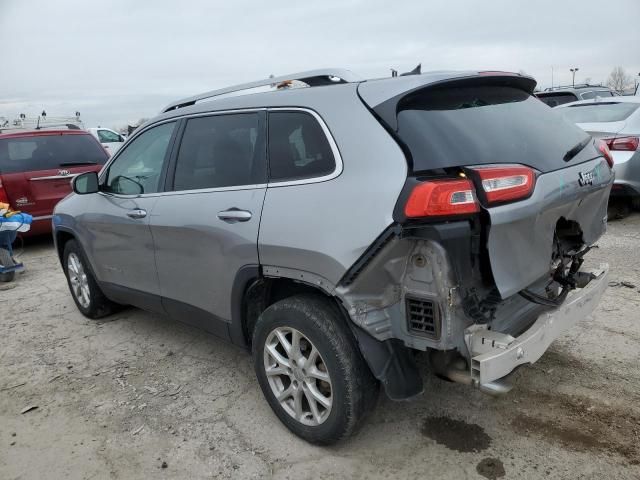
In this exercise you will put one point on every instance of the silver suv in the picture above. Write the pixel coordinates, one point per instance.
(560, 95)
(337, 226)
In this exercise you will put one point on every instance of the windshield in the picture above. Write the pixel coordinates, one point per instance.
(447, 127)
(47, 152)
(599, 112)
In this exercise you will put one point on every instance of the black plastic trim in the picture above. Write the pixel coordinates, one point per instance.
(392, 363)
(196, 317)
(245, 276)
(350, 275)
(130, 296)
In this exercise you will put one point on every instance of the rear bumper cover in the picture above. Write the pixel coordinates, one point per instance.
(495, 355)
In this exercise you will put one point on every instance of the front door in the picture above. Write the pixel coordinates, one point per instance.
(117, 218)
(206, 229)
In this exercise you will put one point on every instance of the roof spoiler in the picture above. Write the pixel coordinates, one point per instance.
(383, 97)
(313, 78)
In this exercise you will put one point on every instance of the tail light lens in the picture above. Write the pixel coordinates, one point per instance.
(4, 198)
(604, 149)
(506, 184)
(440, 198)
(629, 144)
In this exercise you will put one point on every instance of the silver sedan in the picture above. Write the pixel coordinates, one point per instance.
(616, 120)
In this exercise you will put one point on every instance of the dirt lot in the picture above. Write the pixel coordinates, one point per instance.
(118, 398)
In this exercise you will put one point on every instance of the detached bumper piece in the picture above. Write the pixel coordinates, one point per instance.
(494, 355)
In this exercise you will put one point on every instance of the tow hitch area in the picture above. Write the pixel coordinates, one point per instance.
(493, 355)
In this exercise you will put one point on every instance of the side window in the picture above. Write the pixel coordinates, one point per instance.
(139, 167)
(107, 136)
(221, 151)
(588, 95)
(298, 147)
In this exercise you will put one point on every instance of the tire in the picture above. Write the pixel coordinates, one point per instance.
(85, 291)
(351, 390)
(618, 208)
(635, 203)
(6, 261)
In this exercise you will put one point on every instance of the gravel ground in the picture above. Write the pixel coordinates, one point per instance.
(139, 396)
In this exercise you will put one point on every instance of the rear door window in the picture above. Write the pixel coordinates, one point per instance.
(599, 112)
(298, 147)
(48, 152)
(221, 151)
(447, 127)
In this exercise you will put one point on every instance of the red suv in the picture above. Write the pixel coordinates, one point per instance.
(36, 168)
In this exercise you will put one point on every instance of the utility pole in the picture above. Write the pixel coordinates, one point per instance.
(573, 71)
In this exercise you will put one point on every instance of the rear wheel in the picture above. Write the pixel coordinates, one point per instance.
(310, 369)
(84, 289)
(618, 208)
(6, 261)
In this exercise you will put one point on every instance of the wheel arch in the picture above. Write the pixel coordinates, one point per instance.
(256, 288)
(60, 237)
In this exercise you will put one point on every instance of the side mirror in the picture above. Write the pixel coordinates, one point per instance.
(85, 183)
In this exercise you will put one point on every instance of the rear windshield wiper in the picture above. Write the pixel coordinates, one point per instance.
(71, 164)
(576, 150)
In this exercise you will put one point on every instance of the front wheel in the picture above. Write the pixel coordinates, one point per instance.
(84, 289)
(310, 369)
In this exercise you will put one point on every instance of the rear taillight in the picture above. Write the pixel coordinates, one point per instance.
(604, 149)
(440, 198)
(506, 184)
(629, 144)
(4, 198)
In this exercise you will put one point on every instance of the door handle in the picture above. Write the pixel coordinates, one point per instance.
(137, 213)
(235, 215)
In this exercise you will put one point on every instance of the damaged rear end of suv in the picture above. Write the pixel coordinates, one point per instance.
(337, 226)
(483, 265)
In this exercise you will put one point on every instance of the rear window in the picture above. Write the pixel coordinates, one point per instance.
(594, 94)
(599, 112)
(298, 148)
(555, 99)
(46, 152)
(450, 127)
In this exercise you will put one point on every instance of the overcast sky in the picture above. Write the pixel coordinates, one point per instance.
(116, 61)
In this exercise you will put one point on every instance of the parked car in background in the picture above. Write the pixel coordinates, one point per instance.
(559, 95)
(36, 168)
(109, 139)
(617, 122)
(265, 219)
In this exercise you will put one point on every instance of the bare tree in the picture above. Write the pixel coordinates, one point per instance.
(619, 80)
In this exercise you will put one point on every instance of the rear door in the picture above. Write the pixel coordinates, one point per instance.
(37, 169)
(206, 229)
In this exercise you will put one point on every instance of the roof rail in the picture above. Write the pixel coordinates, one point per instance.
(40, 122)
(577, 85)
(313, 78)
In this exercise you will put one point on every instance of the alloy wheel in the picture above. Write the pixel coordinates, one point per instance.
(298, 376)
(78, 280)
